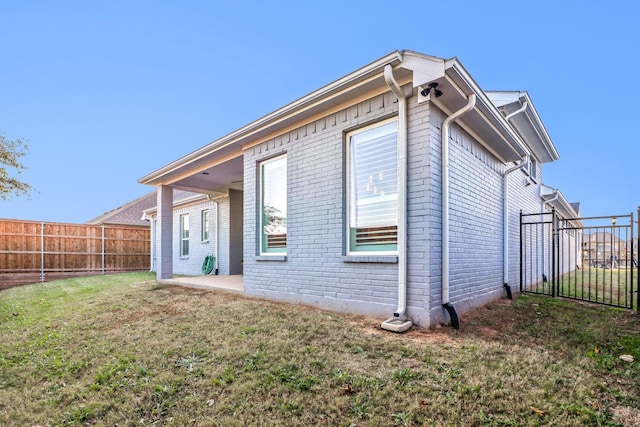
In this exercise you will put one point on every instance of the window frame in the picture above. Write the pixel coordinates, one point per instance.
(531, 170)
(204, 224)
(352, 249)
(281, 247)
(184, 235)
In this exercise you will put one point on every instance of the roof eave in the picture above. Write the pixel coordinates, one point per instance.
(510, 101)
(492, 114)
(271, 120)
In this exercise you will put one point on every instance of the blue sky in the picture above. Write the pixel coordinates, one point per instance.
(109, 91)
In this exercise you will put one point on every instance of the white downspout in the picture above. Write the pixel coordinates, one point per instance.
(505, 220)
(471, 102)
(505, 208)
(399, 323)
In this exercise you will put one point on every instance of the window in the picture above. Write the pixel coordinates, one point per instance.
(273, 205)
(531, 169)
(184, 235)
(373, 188)
(534, 170)
(205, 225)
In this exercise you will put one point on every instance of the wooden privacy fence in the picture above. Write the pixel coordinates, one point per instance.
(32, 251)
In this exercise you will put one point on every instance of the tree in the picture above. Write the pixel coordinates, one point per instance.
(11, 151)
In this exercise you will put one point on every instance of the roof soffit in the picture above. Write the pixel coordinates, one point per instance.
(484, 121)
(528, 123)
(455, 81)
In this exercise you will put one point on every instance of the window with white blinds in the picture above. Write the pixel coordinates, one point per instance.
(373, 188)
(273, 203)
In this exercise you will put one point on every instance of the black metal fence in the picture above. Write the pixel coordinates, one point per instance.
(592, 259)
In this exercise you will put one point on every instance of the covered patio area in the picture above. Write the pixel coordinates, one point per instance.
(228, 283)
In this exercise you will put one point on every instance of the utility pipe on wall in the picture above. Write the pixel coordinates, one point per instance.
(402, 190)
(471, 102)
(543, 206)
(505, 222)
(505, 208)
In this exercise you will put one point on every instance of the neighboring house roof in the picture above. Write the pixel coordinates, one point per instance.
(576, 207)
(132, 213)
(129, 213)
(602, 237)
(216, 166)
(180, 198)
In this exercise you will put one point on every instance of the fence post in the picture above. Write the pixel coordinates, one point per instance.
(627, 263)
(102, 258)
(41, 251)
(521, 253)
(554, 242)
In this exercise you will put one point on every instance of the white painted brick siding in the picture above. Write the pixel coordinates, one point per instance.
(476, 222)
(315, 271)
(198, 250)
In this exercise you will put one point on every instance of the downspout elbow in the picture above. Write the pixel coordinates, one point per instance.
(524, 106)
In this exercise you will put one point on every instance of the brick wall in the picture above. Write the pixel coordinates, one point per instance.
(192, 265)
(476, 222)
(315, 271)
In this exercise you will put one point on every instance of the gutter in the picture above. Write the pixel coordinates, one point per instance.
(399, 322)
(471, 102)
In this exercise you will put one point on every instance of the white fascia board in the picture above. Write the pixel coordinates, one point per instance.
(500, 98)
(321, 95)
(425, 68)
(537, 123)
(545, 190)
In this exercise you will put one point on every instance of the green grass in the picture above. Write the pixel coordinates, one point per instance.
(609, 286)
(598, 285)
(120, 350)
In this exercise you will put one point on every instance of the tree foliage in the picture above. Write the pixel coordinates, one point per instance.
(11, 151)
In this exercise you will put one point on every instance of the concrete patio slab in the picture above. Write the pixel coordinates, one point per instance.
(229, 283)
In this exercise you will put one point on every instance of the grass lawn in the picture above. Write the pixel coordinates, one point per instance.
(603, 285)
(120, 350)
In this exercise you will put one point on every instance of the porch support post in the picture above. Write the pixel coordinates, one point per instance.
(165, 229)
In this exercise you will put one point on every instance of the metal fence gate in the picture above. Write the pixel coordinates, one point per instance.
(591, 259)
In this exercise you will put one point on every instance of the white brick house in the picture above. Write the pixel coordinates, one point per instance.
(349, 202)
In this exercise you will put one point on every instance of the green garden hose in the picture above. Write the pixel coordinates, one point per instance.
(208, 264)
